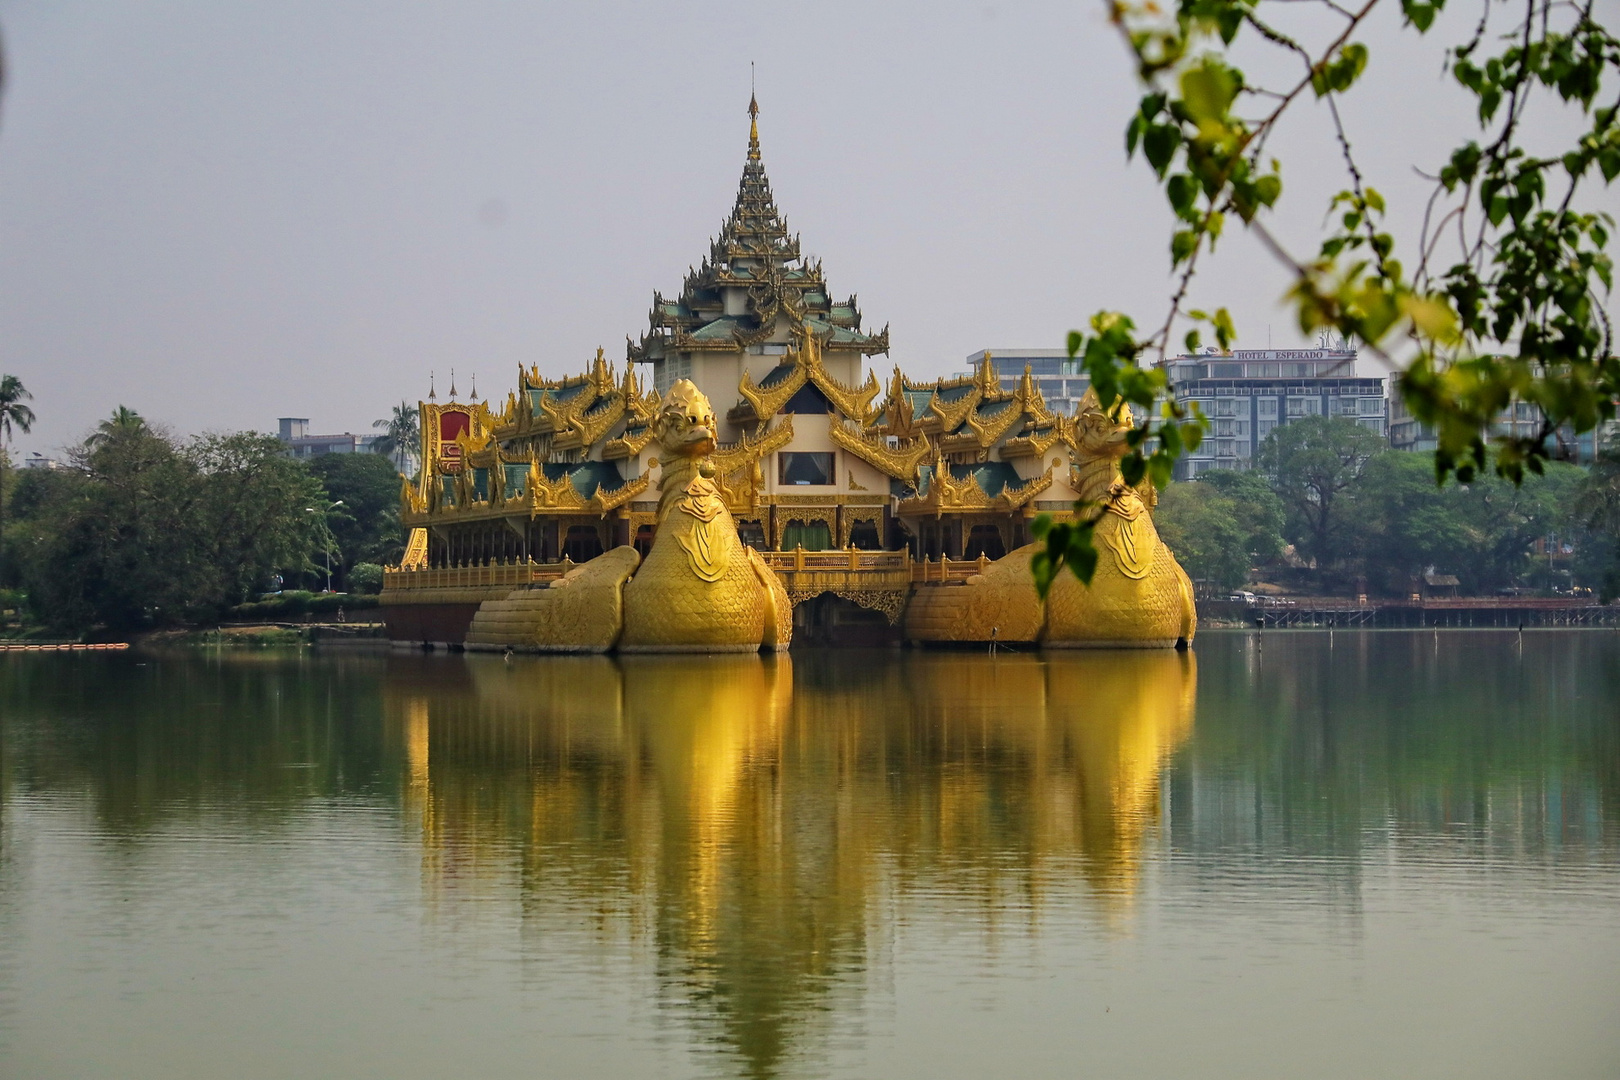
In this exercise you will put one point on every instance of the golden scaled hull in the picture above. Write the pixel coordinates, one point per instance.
(997, 605)
(671, 608)
(1139, 598)
(1153, 609)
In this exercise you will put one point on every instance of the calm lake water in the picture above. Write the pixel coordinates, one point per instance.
(1380, 854)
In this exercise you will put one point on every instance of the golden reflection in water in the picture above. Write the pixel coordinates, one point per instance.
(750, 814)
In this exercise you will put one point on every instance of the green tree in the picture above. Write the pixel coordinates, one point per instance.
(1596, 509)
(122, 421)
(402, 434)
(1401, 523)
(1312, 461)
(366, 527)
(249, 513)
(1501, 299)
(14, 415)
(1259, 511)
(147, 532)
(366, 578)
(1205, 528)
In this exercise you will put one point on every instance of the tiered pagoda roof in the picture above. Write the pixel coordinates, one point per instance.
(755, 252)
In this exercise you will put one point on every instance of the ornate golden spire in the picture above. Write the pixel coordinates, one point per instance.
(753, 127)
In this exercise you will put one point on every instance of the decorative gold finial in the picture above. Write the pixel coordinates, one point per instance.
(431, 395)
(452, 384)
(753, 116)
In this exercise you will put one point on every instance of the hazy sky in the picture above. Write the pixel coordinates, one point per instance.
(221, 213)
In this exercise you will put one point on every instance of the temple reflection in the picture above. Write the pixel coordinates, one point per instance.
(746, 815)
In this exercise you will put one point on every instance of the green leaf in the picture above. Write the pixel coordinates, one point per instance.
(1608, 161)
(1182, 244)
(1067, 544)
(1159, 144)
(1207, 91)
(1133, 133)
(1420, 15)
(1351, 63)
(1183, 192)
(1081, 555)
(1267, 189)
(1192, 434)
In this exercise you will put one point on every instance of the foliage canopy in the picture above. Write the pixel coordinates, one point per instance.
(147, 531)
(1499, 298)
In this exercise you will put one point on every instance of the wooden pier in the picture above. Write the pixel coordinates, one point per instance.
(1506, 613)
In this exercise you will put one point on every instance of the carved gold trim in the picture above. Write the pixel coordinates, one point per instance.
(900, 462)
(584, 431)
(854, 402)
(541, 494)
(627, 445)
(1037, 443)
(620, 496)
(752, 448)
(1027, 491)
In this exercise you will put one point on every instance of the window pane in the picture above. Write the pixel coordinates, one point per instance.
(803, 468)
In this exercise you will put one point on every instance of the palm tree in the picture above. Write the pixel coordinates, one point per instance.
(401, 433)
(13, 414)
(123, 421)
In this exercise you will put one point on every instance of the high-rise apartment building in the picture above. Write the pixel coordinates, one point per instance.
(1520, 419)
(1248, 393)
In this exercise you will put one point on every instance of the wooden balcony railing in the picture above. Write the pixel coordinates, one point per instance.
(850, 559)
(470, 577)
(947, 570)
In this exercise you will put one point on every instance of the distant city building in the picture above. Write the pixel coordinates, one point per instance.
(1520, 419)
(1059, 379)
(294, 431)
(1247, 393)
(36, 460)
(1405, 431)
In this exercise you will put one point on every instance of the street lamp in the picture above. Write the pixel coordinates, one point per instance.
(327, 552)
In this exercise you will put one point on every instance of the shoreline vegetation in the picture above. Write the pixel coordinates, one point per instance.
(140, 532)
(264, 636)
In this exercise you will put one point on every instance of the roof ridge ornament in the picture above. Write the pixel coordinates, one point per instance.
(753, 122)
